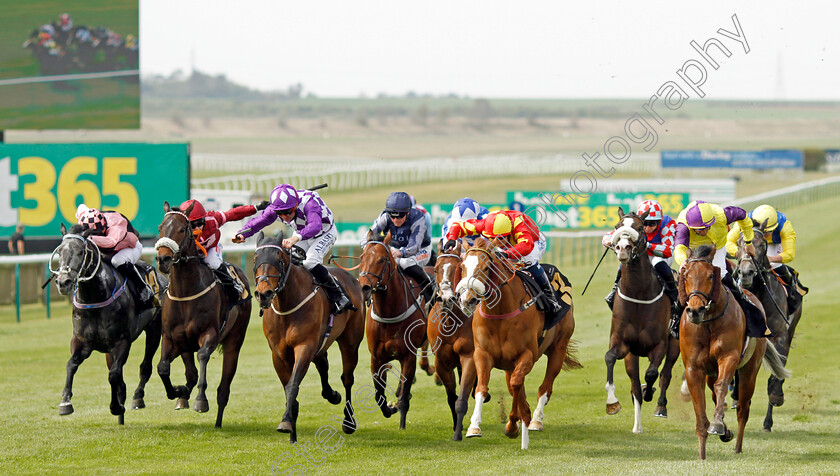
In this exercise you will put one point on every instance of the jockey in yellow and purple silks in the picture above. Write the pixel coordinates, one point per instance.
(702, 223)
(781, 247)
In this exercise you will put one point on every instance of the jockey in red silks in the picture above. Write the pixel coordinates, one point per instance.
(114, 233)
(660, 231)
(527, 244)
(205, 225)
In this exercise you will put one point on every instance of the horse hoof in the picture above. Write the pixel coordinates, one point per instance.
(734, 405)
(473, 432)
(65, 408)
(334, 398)
(767, 430)
(727, 436)
(284, 427)
(613, 408)
(647, 393)
(535, 426)
(118, 411)
(717, 429)
(138, 403)
(182, 404)
(201, 406)
(776, 400)
(661, 412)
(512, 432)
(349, 429)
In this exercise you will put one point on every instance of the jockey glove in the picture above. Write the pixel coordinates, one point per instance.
(262, 205)
(449, 245)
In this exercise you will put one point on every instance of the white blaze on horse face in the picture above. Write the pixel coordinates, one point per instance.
(469, 281)
(445, 286)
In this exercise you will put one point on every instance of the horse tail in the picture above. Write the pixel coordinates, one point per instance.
(571, 362)
(775, 362)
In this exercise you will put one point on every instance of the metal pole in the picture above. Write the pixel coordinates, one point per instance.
(47, 295)
(17, 291)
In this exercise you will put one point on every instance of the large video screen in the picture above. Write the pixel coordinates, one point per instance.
(73, 64)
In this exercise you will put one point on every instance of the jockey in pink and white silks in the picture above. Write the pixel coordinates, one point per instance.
(660, 230)
(315, 233)
(113, 232)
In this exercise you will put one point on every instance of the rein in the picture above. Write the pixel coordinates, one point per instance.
(515, 312)
(332, 260)
(175, 248)
(706, 297)
(281, 283)
(85, 263)
(115, 293)
(383, 287)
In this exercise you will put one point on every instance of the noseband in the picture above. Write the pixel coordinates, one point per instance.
(175, 248)
(705, 297)
(87, 259)
(282, 277)
(380, 283)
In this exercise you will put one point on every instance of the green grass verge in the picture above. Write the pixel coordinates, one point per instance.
(579, 436)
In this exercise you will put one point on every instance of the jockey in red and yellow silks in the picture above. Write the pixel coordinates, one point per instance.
(527, 244)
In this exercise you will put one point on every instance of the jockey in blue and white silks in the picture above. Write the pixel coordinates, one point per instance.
(465, 209)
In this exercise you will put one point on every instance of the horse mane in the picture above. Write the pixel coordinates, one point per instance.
(706, 252)
(76, 229)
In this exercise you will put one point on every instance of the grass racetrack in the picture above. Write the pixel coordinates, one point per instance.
(579, 437)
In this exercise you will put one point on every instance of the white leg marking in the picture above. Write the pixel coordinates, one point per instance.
(684, 388)
(637, 424)
(525, 433)
(610, 388)
(475, 421)
(539, 414)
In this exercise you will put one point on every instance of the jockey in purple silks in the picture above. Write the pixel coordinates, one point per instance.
(315, 233)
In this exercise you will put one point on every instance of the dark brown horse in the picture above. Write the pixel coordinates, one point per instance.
(300, 328)
(758, 277)
(450, 332)
(714, 347)
(509, 335)
(639, 321)
(395, 325)
(104, 318)
(196, 315)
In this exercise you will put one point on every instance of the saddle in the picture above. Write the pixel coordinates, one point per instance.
(756, 321)
(152, 278)
(562, 290)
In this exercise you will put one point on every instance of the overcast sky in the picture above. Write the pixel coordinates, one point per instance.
(541, 49)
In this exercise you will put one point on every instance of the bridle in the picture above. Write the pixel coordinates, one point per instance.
(445, 283)
(276, 263)
(175, 248)
(381, 280)
(703, 296)
(87, 259)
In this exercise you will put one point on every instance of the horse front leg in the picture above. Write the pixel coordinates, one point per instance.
(467, 383)
(616, 352)
(556, 357)
(208, 344)
(191, 375)
(483, 365)
(116, 360)
(230, 360)
(408, 368)
(78, 353)
(665, 375)
(694, 378)
(726, 371)
(631, 365)
(379, 369)
(323, 365)
(520, 402)
(303, 357)
(167, 354)
(349, 361)
(152, 343)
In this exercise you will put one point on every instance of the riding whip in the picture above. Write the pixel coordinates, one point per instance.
(318, 187)
(594, 270)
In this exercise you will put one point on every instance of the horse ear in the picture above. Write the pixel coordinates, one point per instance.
(166, 207)
(644, 215)
(63, 229)
(763, 225)
(260, 238)
(688, 253)
(620, 213)
(387, 239)
(189, 209)
(440, 246)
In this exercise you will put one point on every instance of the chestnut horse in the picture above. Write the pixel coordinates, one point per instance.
(509, 335)
(196, 315)
(300, 327)
(395, 325)
(640, 318)
(758, 277)
(715, 347)
(450, 332)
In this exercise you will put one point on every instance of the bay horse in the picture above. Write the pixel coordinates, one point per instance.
(395, 324)
(196, 315)
(104, 318)
(449, 331)
(715, 347)
(758, 277)
(509, 335)
(640, 318)
(299, 326)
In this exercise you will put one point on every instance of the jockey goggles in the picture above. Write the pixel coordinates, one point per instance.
(197, 223)
(651, 223)
(397, 215)
(285, 212)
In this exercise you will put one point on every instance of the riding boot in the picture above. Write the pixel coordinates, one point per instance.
(335, 293)
(229, 283)
(611, 296)
(542, 279)
(144, 292)
(749, 308)
(418, 274)
(664, 272)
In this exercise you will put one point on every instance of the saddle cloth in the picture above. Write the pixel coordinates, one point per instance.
(562, 291)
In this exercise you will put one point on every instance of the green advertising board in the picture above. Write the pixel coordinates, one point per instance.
(42, 184)
(555, 210)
